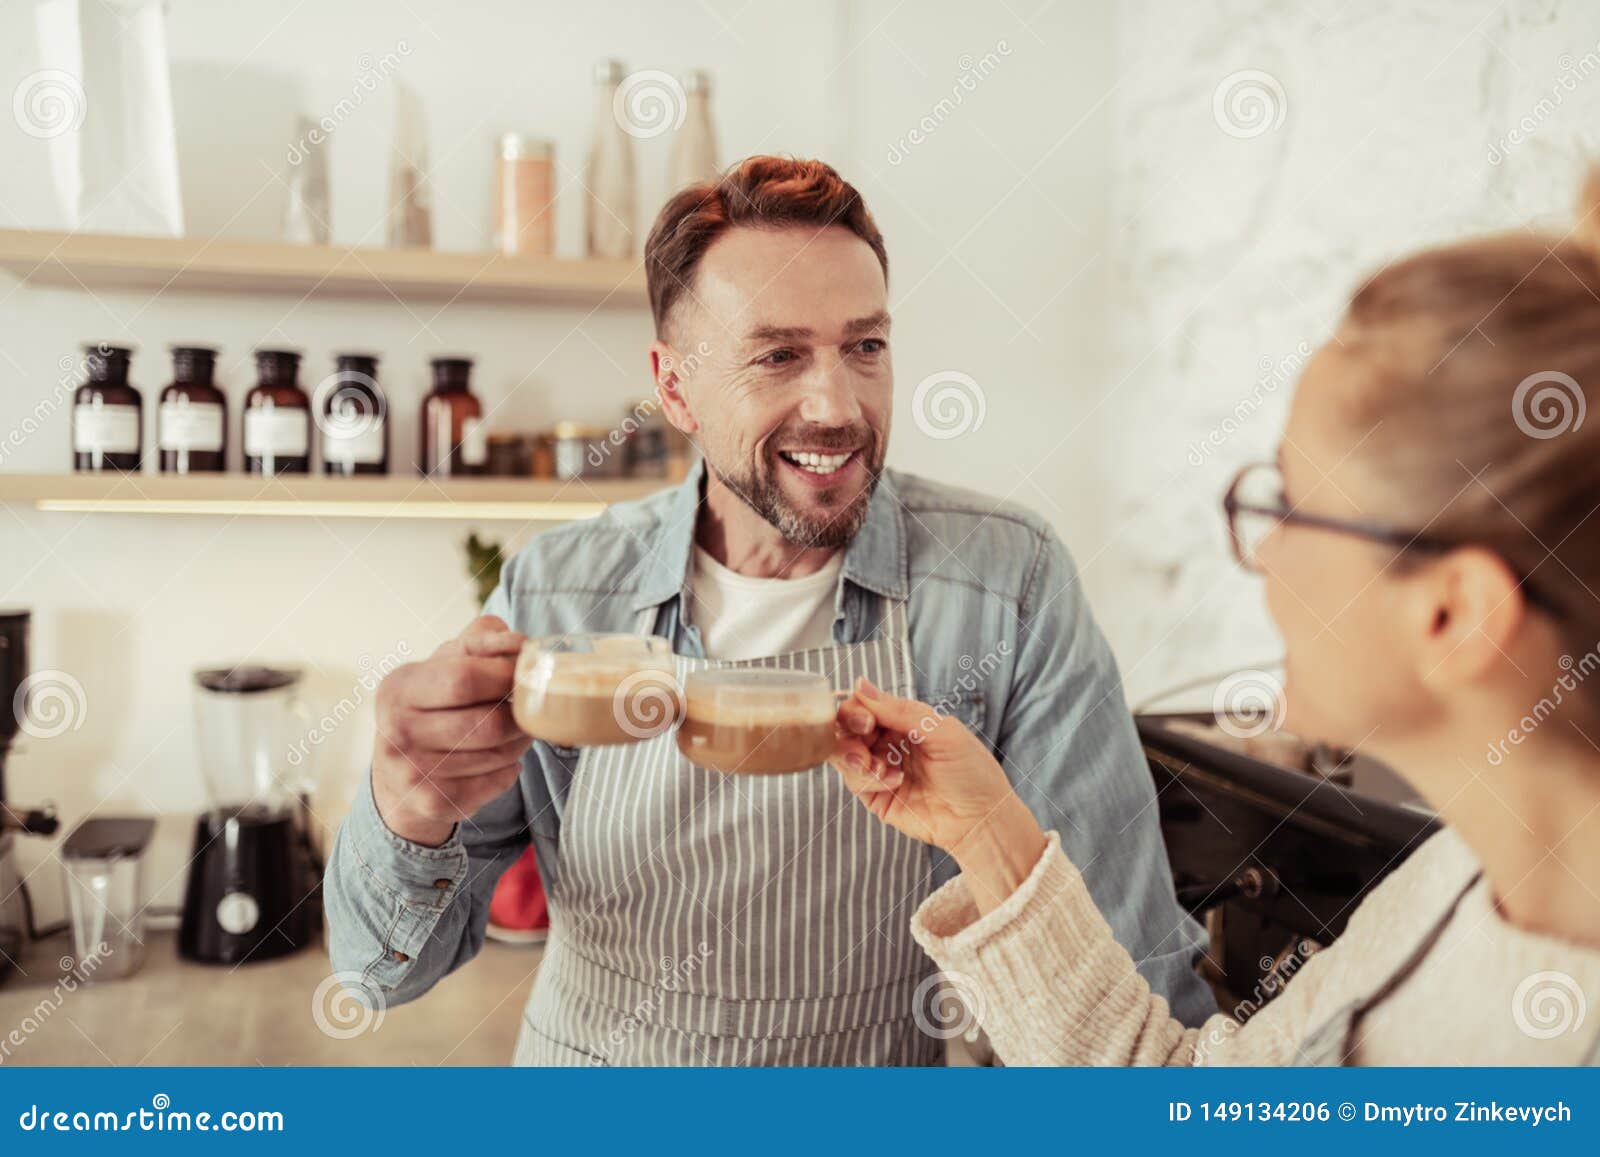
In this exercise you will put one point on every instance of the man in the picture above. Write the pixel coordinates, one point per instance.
(698, 918)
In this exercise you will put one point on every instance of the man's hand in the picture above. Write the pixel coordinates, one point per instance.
(447, 743)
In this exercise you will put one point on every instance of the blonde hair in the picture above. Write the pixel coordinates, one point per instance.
(1479, 360)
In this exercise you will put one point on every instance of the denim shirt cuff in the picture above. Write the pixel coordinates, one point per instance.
(422, 881)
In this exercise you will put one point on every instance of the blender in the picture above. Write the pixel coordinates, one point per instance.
(255, 878)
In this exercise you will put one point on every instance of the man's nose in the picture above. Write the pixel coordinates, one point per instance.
(829, 397)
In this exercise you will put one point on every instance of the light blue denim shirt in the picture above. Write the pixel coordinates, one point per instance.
(1001, 638)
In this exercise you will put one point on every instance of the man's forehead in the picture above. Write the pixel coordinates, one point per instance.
(794, 278)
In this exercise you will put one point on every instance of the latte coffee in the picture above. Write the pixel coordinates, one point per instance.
(754, 721)
(596, 690)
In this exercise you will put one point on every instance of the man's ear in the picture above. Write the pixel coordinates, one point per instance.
(664, 364)
(1471, 608)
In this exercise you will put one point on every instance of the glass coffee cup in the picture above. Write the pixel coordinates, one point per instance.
(596, 690)
(756, 721)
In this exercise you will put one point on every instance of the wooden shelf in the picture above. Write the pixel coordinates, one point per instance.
(308, 496)
(104, 261)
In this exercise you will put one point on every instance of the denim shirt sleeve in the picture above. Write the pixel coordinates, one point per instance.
(401, 915)
(1069, 745)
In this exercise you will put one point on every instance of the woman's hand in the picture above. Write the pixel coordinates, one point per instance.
(928, 776)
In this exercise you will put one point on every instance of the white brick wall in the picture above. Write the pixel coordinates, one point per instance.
(1232, 249)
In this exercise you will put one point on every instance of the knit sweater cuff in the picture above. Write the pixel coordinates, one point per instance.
(948, 925)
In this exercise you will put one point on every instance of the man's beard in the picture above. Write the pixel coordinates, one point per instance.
(761, 490)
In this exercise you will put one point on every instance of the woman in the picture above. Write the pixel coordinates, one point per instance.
(1430, 548)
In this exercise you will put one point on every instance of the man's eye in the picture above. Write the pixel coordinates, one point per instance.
(871, 346)
(778, 358)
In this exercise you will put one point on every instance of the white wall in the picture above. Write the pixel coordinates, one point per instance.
(1231, 250)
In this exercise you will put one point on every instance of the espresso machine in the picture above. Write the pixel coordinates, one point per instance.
(254, 889)
(16, 913)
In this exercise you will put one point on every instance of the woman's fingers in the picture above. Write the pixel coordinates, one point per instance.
(855, 719)
(861, 771)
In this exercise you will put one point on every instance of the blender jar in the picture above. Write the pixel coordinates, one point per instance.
(250, 724)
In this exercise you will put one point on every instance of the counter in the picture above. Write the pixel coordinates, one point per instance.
(172, 1012)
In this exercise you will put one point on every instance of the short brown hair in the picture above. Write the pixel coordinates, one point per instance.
(763, 192)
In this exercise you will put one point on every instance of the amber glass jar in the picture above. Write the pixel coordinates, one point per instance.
(277, 417)
(107, 414)
(192, 422)
(353, 418)
(453, 438)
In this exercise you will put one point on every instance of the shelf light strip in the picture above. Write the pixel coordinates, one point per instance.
(501, 511)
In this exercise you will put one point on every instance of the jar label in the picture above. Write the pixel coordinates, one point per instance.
(358, 447)
(281, 433)
(105, 429)
(474, 442)
(186, 425)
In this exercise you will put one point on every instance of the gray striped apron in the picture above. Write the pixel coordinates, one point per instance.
(706, 919)
(1333, 1041)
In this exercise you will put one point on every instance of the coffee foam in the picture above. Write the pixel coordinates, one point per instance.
(593, 677)
(797, 713)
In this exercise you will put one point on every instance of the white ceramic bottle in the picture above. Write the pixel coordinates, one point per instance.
(610, 175)
(694, 148)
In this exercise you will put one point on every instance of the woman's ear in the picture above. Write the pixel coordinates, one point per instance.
(664, 367)
(1471, 608)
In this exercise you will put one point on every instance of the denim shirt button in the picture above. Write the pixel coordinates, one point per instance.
(400, 957)
(441, 884)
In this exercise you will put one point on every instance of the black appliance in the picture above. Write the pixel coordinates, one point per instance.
(254, 887)
(1273, 843)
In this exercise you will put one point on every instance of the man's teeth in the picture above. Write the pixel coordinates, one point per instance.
(817, 463)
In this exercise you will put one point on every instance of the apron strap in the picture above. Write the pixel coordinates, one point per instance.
(894, 625)
(1333, 1040)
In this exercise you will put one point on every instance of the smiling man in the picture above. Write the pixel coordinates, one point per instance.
(698, 918)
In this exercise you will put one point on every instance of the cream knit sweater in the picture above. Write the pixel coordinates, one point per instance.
(1052, 987)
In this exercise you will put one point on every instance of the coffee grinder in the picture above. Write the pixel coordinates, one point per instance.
(254, 886)
(16, 913)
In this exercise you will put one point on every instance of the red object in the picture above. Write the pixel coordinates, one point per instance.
(519, 902)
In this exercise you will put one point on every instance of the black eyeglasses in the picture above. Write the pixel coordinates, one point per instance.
(1255, 506)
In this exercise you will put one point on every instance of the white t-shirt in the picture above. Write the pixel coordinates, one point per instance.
(740, 617)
